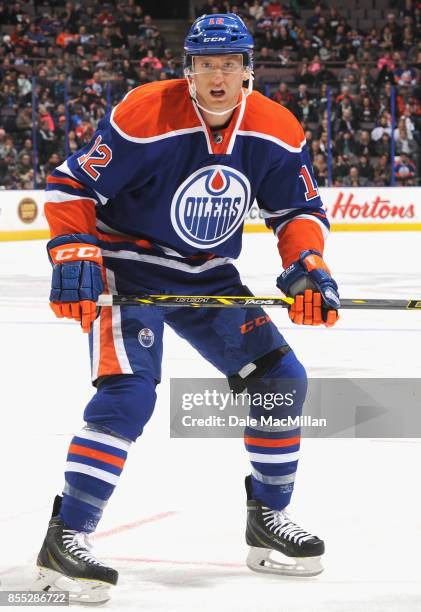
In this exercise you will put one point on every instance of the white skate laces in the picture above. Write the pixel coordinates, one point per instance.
(77, 543)
(279, 523)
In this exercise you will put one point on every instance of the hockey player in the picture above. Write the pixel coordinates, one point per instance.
(156, 203)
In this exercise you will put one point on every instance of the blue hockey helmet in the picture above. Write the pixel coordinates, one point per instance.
(219, 34)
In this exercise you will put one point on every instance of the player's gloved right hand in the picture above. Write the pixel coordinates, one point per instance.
(315, 293)
(77, 280)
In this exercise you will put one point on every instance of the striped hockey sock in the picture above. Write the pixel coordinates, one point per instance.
(274, 448)
(95, 461)
(274, 459)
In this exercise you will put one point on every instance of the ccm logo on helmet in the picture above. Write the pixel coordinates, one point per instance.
(75, 253)
(215, 39)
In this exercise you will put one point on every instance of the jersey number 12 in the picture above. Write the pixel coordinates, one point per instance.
(311, 188)
(98, 156)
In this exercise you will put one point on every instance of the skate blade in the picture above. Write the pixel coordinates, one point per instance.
(80, 590)
(260, 560)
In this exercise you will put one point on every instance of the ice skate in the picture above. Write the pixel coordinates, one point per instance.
(271, 533)
(66, 563)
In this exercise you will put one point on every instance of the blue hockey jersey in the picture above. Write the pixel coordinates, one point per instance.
(158, 189)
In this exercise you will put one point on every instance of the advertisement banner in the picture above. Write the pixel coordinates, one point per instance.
(22, 215)
(348, 209)
(363, 208)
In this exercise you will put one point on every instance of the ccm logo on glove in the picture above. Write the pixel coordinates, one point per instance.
(76, 252)
(316, 297)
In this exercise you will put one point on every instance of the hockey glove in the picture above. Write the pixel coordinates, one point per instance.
(315, 293)
(77, 280)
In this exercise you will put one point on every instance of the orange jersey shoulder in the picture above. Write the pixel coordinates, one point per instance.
(155, 109)
(264, 116)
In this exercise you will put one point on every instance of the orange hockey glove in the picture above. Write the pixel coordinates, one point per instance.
(316, 296)
(77, 280)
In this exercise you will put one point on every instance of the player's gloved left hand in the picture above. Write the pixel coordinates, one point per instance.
(315, 293)
(77, 280)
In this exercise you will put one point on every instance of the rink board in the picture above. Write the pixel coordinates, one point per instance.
(363, 209)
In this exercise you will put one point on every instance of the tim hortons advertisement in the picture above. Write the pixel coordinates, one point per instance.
(364, 208)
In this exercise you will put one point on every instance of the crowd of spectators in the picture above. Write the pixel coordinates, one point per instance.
(361, 64)
(90, 55)
(305, 52)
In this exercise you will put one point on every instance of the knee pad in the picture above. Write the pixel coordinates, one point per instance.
(288, 367)
(122, 405)
(282, 388)
(255, 369)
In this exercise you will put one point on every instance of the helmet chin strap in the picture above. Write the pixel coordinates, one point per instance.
(193, 94)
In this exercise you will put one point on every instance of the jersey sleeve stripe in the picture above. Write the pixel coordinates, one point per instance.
(62, 197)
(269, 214)
(279, 218)
(62, 174)
(68, 192)
(64, 181)
(324, 225)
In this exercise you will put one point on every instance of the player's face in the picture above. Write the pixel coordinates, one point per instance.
(218, 80)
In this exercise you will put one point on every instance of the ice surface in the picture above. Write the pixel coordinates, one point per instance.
(175, 527)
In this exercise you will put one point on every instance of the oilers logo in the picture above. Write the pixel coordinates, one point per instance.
(210, 205)
(146, 337)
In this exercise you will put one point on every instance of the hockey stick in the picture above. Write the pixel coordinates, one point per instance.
(218, 301)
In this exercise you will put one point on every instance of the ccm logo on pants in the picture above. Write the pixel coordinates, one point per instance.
(248, 326)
